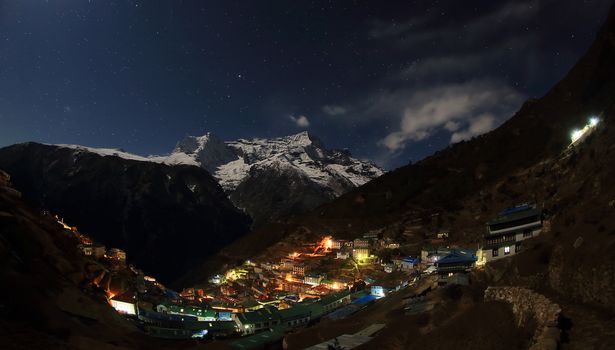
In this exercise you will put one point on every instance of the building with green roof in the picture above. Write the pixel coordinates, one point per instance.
(272, 338)
(201, 313)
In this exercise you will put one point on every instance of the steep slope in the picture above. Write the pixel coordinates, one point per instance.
(47, 302)
(526, 160)
(167, 218)
(272, 178)
(443, 183)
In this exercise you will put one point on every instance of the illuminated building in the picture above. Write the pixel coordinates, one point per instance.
(256, 321)
(299, 270)
(201, 313)
(377, 291)
(360, 254)
(313, 278)
(125, 303)
(361, 243)
(338, 244)
(116, 254)
(342, 255)
(85, 249)
(408, 263)
(579, 135)
(430, 256)
(506, 232)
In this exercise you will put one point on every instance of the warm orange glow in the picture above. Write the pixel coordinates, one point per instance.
(328, 243)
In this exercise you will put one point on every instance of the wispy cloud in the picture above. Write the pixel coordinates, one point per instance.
(301, 121)
(334, 110)
(465, 110)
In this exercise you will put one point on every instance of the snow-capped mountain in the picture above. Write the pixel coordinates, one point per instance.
(268, 178)
(230, 162)
(273, 177)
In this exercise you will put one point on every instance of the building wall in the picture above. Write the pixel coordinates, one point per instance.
(123, 307)
(519, 237)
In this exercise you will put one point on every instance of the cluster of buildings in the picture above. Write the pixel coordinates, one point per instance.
(289, 293)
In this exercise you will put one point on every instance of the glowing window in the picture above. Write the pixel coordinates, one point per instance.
(506, 250)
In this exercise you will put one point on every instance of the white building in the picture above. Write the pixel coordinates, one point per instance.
(377, 291)
(313, 279)
(508, 230)
(125, 303)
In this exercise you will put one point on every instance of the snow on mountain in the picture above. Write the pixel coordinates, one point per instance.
(268, 178)
(106, 152)
(230, 162)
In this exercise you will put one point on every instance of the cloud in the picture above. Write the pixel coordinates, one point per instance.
(465, 110)
(476, 126)
(301, 121)
(334, 110)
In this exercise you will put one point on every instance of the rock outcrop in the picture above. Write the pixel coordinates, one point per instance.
(527, 306)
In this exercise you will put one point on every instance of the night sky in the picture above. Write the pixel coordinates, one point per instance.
(391, 81)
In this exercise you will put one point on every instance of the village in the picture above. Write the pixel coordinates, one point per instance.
(259, 302)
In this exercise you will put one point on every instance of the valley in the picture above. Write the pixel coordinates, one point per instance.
(503, 238)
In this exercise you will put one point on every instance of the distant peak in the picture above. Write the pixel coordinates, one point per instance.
(191, 144)
(303, 137)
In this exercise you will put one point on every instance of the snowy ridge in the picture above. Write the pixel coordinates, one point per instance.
(118, 152)
(230, 162)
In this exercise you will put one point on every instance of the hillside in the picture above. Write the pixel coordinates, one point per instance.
(50, 303)
(526, 160)
(441, 183)
(167, 218)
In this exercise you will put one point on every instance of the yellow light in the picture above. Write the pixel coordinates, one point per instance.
(575, 135)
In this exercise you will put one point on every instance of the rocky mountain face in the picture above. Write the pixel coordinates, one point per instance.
(167, 218)
(272, 178)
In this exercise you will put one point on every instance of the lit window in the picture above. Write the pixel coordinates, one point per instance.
(506, 250)
(494, 252)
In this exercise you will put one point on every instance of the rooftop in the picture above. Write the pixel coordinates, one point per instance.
(258, 316)
(457, 258)
(516, 213)
(259, 340)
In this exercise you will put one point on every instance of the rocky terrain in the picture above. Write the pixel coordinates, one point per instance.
(273, 178)
(167, 218)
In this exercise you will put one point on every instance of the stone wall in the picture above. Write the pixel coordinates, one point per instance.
(528, 305)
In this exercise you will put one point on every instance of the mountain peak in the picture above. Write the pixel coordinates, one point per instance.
(252, 168)
(206, 151)
(192, 144)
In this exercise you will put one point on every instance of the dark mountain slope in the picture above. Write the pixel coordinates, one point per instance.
(167, 218)
(47, 302)
(443, 182)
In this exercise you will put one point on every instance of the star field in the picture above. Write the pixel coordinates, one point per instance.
(392, 81)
